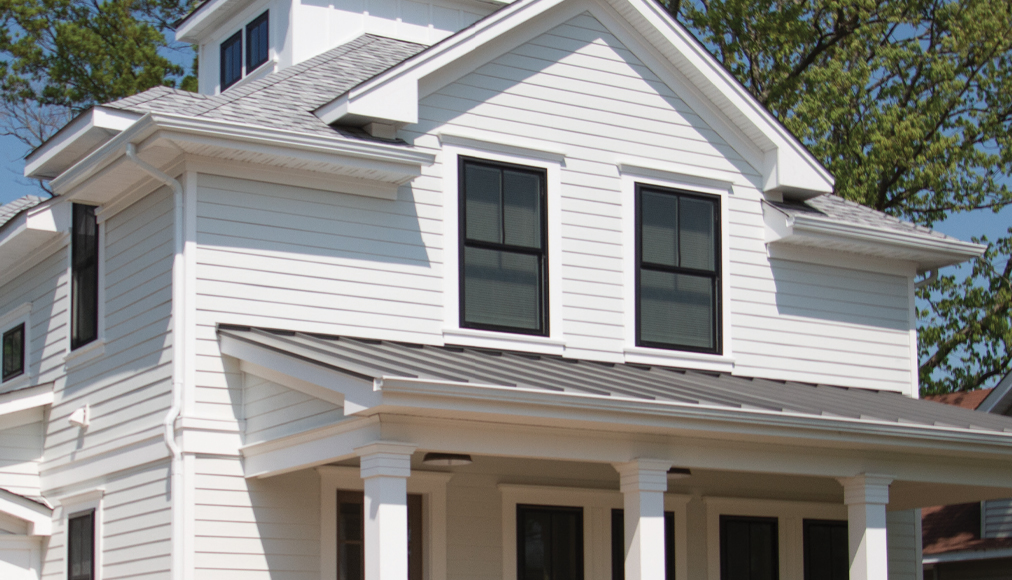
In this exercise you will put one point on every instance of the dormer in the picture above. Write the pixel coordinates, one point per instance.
(243, 40)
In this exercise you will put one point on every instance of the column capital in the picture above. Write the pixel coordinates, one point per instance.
(866, 488)
(642, 474)
(385, 459)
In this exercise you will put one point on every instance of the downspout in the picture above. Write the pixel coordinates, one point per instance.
(178, 358)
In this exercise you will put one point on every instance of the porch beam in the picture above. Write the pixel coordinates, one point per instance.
(385, 468)
(643, 483)
(866, 497)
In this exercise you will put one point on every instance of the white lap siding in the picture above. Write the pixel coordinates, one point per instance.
(273, 411)
(904, 544)
(20, 454)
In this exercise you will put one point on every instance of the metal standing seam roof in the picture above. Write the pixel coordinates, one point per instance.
(374, 359)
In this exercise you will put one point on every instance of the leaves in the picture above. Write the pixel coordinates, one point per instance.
(909, 104)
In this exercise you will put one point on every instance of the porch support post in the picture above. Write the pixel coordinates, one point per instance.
(385, 467)
(866, 497)
(643, 483)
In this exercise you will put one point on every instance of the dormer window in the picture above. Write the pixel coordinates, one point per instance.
(257, 51)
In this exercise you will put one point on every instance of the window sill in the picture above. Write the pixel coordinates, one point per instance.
(503, 341)
(88, 352)
(677, 358)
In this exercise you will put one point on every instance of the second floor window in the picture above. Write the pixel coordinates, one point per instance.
(678, 270)
(256, 54)
(13, 352)
(231, 60)
(503, 278)
(83, 276)
(256, 43)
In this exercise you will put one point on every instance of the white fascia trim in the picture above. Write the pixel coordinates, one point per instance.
(969, 555)
(26, 398)
(191, 28)
(399, 158)
(97, 123)
(49, 218)
(38, 516)
(595, 405)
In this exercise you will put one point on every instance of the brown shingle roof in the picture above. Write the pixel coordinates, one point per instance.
(965, 399)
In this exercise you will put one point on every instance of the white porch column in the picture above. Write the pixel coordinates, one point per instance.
(643, 483)
(866, 497)
(385, 468)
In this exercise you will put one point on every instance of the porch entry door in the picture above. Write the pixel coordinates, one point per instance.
(549, 543)
(827, 554)
(749, 548)
(351, 535)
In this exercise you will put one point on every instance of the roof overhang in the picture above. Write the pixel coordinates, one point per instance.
(31, 230)
(393, 96)
(84, 134)
(193, 27)
(38, 516)
(357, 166)
(928, 252)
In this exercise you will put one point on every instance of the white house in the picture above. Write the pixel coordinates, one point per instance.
(462, 290)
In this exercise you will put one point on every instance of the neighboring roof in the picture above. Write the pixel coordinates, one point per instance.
(956, 528)
(9, 210)
(965, 399)
(285, 99)
(384, 360)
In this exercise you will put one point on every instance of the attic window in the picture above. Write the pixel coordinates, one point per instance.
(256, 43)
(256, 55)
(231, 60)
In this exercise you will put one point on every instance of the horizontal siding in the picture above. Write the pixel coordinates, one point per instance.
(998, 518)
(904, 546)
(273, 411)
(473, 528)
(20, 455)
(255, 529)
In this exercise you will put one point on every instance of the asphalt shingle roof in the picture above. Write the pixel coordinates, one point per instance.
(837, 209)
(285, 99)
(8, 211)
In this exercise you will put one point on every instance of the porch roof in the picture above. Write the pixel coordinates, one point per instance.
(375, 360)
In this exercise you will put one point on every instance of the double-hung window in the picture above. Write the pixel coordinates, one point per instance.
(13, 352)
(83, 276)
(81, 546)
(677, 270)
(503, 249)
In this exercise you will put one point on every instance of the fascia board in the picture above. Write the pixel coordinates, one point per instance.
(25, 399)
(588, 407)
(194, 26)
(32, 229)
(38, 516)
(82, 135)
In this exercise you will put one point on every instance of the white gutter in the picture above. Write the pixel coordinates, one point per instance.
(178, 359)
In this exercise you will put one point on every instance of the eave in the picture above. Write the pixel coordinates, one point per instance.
(84, 134)
(193, 27)
(38, 516)
(927, 251)
(31, 230)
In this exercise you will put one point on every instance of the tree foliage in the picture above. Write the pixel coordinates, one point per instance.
(908, 103)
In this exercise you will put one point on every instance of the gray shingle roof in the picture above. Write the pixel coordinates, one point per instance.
(842, 210)
(8, 211)
(285, 99)
(372, 359)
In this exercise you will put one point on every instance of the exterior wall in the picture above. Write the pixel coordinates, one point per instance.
(255, 529)
(904, 542)
(20, 455)
(273, 411)
(997, 514)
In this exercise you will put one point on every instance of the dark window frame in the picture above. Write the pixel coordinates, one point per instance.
(618, 545)
(225, 45)
(416, 532)
(775, 541)
(806, 544)
(580, 548)
(463, 243)
(73, 551)
(12, 373)
(84, 269)
(716, 276)
(250, 64)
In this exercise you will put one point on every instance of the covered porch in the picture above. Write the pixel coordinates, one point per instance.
(689, 476)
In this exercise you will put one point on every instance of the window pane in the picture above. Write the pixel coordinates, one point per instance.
(256, 42)
(537, 538)
(676, 309)
(760, 546)
(659, 219)
(14, 352)
(483, 200)
(827, 555)
(84, 276)
(748, 548)
(549, 543)
(231, 60)
(696, 225)
(80, 548)
(522, 208)
(736, 550)
(502, 288)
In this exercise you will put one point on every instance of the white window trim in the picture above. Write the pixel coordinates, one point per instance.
(8, 320)
(633, 174)
(238, 23)
(95, 348)
(551, 161)
(790, 527)
(76, 504)
(431, 485)
(597, 505)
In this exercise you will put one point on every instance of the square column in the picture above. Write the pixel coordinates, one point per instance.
(643, 483)
(385, 467)
(866, 497)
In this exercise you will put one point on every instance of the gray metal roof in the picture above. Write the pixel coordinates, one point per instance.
(9, 210)
(285, 99)
(838, 209)
(372, 359)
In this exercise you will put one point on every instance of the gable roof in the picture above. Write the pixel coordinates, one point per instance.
(9, 210)
(964, 399)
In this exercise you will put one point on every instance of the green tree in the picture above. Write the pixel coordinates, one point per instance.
(59, 57)
(908, 103)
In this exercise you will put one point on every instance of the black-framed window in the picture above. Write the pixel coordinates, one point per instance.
(81, 546)
(749, 548)
(827, 553)
(503, 247)
(549, 543)
(13, 352)
(351, 536)
(677, 270)
(618, 545)
(231, 60)
(257, 42)
(83, 276)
